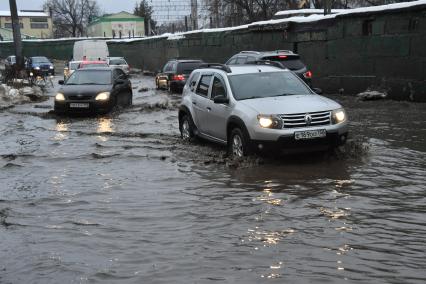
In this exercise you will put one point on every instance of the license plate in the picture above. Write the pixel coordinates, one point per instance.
(79, 105)
(310, 134)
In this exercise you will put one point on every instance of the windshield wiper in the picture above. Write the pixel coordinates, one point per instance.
(252, 97)
(285, 94)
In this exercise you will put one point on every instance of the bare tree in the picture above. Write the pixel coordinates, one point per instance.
(70, 17)
(221, 13)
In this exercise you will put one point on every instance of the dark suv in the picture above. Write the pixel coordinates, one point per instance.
(175, 72)
(287, 58)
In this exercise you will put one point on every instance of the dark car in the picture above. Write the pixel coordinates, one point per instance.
(175, 72)
(94, 90)
(287, 58)
(39, 66)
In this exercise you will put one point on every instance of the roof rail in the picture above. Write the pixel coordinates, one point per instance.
(284, 50)
(267, 63)
(219, 66)
(250, 51)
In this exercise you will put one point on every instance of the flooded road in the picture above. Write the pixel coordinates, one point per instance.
(120, 198)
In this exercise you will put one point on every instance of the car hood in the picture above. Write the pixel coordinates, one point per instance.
(291, 104)
(84, 89)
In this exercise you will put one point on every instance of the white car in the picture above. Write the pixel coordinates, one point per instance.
(119, 62)
(256, 107)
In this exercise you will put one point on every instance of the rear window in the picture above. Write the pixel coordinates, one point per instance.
(291, 62)
(187, 67)
(119, 61)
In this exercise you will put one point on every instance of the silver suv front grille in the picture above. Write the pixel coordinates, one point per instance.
(306, 119)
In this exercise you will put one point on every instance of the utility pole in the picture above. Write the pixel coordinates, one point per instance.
(194, 14)
(17, 41)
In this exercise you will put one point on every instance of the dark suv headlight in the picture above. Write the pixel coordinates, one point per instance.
(338, 116)
(270, 121)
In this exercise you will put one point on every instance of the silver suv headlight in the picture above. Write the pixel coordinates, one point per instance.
(270, 121)
(338, 116)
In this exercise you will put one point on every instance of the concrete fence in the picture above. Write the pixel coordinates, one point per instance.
(351, 52)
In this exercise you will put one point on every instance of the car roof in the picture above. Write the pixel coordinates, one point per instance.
(93, 62)
(97, 68)
(186, 60)
(268, 53)
(246, 69)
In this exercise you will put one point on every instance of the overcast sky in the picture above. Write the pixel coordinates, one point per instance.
(107, 6)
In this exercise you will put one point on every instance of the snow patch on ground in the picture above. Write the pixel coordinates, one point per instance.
(10, 96)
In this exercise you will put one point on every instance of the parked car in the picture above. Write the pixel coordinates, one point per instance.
(92, 63)
(39, 66)
(287, 58)
(259, 107)
(119, 62)
(70, 68)
(174, 74)
(94, 90)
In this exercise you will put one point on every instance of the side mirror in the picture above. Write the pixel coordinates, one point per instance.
(220, 100)
(119, 82)
(61, 82)
(317, 91)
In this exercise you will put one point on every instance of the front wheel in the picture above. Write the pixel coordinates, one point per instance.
(239, 144)
(186, 127)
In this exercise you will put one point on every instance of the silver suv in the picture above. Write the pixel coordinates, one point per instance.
(256, 107)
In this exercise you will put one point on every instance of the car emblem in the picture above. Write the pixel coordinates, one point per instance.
(308, 119)
(79, 95)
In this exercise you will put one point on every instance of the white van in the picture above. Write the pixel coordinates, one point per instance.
(90, 50)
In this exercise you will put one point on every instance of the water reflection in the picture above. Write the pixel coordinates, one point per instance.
(105, 125)
(61, 128)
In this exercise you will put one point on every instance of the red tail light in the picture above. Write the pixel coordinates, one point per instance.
(282, 56)
(178, 78)
(307, 75)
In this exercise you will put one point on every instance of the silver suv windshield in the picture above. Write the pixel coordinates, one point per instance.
(266, 84)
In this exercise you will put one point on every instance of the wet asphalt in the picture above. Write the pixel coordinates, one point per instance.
(120, 198)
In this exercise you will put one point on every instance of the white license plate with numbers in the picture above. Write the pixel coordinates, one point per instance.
(310, 134)
(79, 105)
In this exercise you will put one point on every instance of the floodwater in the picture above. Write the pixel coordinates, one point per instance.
(120, 198)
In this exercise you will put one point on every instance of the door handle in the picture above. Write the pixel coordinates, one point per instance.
(194, 103)
(209, 108)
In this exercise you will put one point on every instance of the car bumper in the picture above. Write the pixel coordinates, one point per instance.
(94, 107)
(284, 139)
(50, 72)
(178, 84)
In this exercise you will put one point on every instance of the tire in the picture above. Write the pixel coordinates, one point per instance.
(186, 127)
(130, 99)
(156, 85)
(239, 144)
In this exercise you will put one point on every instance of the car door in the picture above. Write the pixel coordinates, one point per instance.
(217, 114)
(119, 90)
(200, 102)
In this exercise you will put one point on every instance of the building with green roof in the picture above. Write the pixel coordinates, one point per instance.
(119, 25)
